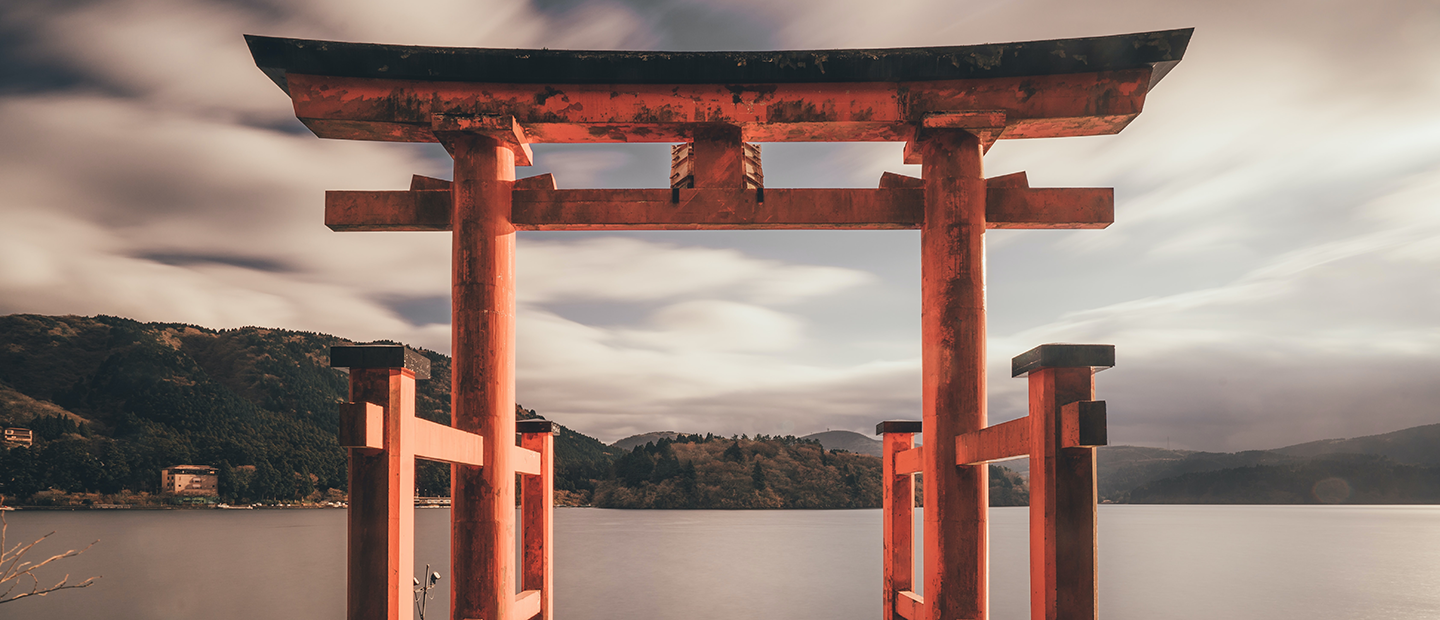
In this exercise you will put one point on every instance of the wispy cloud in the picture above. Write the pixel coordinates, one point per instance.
(1270, 276)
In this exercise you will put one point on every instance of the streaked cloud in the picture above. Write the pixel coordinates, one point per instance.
(1269, 279)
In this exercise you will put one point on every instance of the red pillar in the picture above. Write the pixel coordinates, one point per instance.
(898, 503)
(483, 390)
(537, 510)
(952, 325)
(1062, 481)
(381, 518)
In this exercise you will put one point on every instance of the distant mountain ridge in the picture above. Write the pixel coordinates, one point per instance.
(1394, 469)
(112, 401)
(848, 441)
(629, 443)
(1418, 445)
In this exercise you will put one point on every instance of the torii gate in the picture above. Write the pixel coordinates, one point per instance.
(948, 104)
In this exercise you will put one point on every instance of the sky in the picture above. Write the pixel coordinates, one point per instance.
(1271, 276)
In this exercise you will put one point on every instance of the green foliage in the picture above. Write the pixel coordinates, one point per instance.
(258, 403)
(1328, 479)
(767, 472)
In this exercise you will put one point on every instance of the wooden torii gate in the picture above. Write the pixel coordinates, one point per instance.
(947, 104)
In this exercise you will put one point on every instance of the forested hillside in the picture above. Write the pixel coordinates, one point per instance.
(112, 401)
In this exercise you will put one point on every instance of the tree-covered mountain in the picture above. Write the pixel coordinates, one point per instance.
(113, 401)
(629, 443)
(695, 471)
(1338, 478)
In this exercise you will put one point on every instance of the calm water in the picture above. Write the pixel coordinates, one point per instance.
(1172, 562)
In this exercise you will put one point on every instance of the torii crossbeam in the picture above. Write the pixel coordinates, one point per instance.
(948, 104)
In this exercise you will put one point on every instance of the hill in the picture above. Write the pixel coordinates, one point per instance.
(1326, 479)
(849, 442)
(694, 471)
(1419, 445)
(630, 442)
(1391, 468)
(112, 401)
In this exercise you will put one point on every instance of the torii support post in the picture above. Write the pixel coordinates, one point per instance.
(901, 463)
(384, 438)
(537, 508)
(381, 518)
(1066, 422)
(482, 299)
(952, 326)
(1059, 435)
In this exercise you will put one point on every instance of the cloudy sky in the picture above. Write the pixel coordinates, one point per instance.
(1271, 277)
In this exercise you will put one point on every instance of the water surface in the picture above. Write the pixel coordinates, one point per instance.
(1173, 562)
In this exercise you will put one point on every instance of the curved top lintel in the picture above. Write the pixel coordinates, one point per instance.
(278, 57)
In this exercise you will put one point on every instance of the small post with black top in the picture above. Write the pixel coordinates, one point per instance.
(384, 438)
(537, 509)
(381, 524)
(1066, 424)
(901, 462)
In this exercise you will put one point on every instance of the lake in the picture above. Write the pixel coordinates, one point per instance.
(1172, 562)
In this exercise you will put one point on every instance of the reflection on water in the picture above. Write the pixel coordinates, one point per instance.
(1173, 562)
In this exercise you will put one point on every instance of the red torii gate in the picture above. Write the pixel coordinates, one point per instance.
(948, 104)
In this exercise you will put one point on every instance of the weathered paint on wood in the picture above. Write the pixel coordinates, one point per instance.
(437, 442)
(1083, 425)
(1062, 501)
(1032, 107)
(952, 325)
(362, 426)
(719, 209)
(898, 503)
(537, 507)
(910, 606)
(525, 461)
(483, 377)
(994, 443)
(501, 128)
(381, 518)
(910, 461)
(527, 605)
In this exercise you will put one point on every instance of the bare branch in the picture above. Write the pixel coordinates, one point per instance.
(14, 569)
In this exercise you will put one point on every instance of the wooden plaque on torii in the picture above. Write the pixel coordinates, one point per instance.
(947, 104)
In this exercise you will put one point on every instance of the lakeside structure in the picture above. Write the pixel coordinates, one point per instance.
(17, 438)
(190, 480)
(948, 105)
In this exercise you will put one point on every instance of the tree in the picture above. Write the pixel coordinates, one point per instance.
(733, 453)
(757, 477)
(15, 570)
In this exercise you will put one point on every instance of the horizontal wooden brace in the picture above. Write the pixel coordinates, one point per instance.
(909, 461)
(994, 443)
(526, 461)
(1049, 207)
(427, 209)
(527, 605)
(362, 426)
(909, 605)
(1082, 424)
(712, 209)
(437, 442)
(717, 209)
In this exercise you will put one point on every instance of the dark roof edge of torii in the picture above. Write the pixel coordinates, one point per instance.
(1160, 50)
